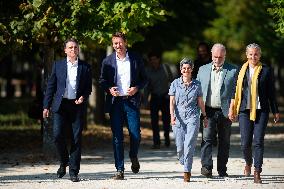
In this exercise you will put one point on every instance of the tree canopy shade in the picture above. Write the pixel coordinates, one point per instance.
(241, 22)
(47, 23)
(184, 25)
(277, 11)
(52, 21)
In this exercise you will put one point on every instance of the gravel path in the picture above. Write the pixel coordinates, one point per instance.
(159, 169)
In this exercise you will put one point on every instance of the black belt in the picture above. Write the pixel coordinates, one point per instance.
(159, 96)
(214, 109)
(122, 97)
(68, 100)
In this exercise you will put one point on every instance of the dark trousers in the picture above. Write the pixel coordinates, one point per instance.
(121, 109)
(68, 118)
(219, 125)
(252, 132)
(160, 103)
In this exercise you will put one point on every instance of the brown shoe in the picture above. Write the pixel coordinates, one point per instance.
(257, 178)
(247, 170)
(186, 176)
(119, 175)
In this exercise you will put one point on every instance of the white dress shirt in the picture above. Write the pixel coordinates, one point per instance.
(123, 75)
(70, 89)
(214, 97)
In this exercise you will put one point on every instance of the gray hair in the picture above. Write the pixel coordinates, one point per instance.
(254, 46)
(219, 46)
(186, 61)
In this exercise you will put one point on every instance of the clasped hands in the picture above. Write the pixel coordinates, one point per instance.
(130, 91)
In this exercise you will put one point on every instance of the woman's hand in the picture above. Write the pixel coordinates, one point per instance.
(173, 120)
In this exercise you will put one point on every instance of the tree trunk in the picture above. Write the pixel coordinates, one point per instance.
(99, 113)
(48, 144)
(8, 75)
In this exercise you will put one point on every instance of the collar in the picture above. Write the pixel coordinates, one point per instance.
(181, 81)
(215, 68)
(125, 58)
(74, 64)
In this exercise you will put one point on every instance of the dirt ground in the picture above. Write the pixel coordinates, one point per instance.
(31, 169)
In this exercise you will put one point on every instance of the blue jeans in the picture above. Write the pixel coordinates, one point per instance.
(217, 124)
(68, 117)
(252, 132)
(120, 110)
(158, 103)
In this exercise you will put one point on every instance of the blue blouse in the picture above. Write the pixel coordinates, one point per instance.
(186, 106)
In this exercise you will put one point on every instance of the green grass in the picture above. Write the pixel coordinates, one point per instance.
(13, 112)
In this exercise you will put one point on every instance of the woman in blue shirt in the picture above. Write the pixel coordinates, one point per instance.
(185, 104)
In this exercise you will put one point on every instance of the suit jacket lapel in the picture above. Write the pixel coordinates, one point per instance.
(114, 65)
(132, 69)
(64, 69)
(208, 77)
(79, 71)
(225, 70)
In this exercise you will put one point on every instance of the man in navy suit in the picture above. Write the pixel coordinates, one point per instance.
(122, 76)
(68, 89)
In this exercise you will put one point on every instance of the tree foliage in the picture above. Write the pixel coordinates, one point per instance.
(52, 21)
(241, 22)
(277, 11)
(183, 28)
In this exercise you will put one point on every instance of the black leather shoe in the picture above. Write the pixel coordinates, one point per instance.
(167, 143)
(61, 171)
(223, 174)
(74, 178)
(135, 165)
(155, 146)
(119, 175)
(206, 172)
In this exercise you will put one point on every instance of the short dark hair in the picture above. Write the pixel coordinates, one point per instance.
(70, 40)
(204, 44)
(186, 61)
(119, 34)
(154, 53)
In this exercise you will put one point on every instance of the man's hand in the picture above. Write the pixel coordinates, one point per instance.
(113, 91)
(132, 90)
(80, 100)
(231, 116)
(205, 122)
(45, 113)
(276, 117)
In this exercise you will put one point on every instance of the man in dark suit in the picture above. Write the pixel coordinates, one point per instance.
(68, 89)
(122, 76)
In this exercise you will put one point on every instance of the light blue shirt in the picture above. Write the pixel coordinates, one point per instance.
(70, 90)
(186, 106)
